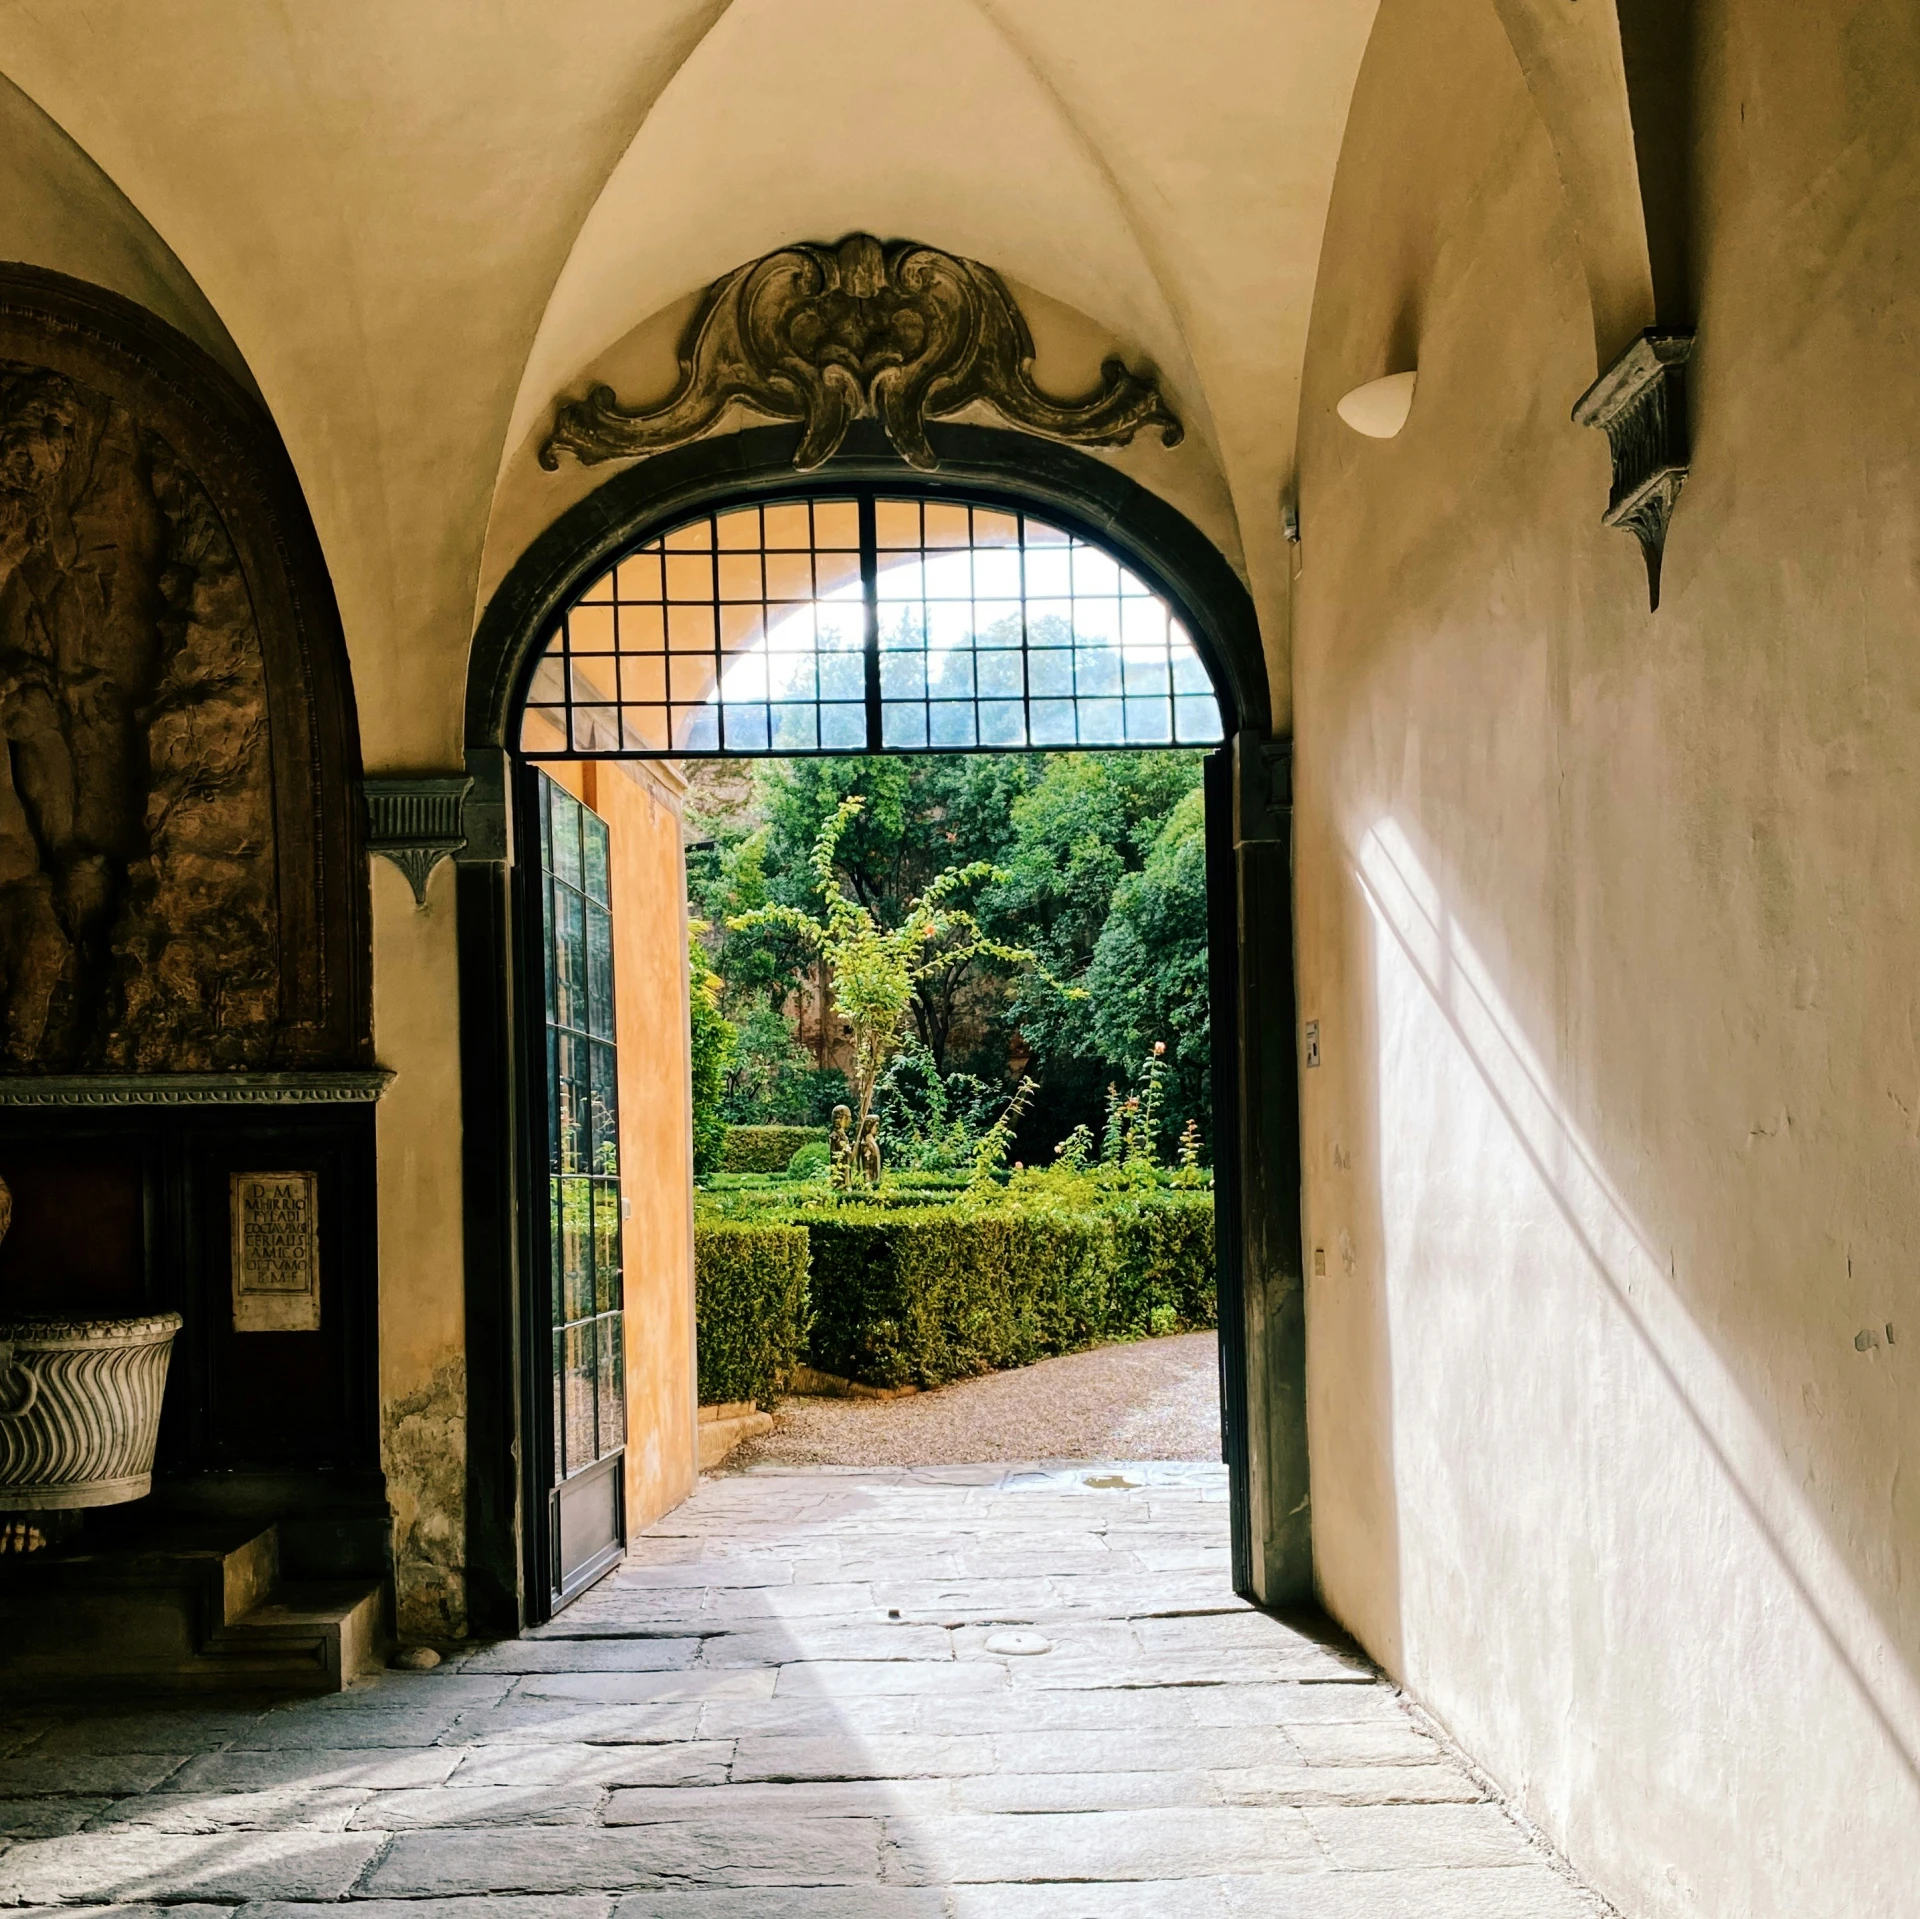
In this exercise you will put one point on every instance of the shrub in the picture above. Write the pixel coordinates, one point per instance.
(750, 1306)
(921, 1294)
(765, 1149)
(811, 1161)
(712, 1046)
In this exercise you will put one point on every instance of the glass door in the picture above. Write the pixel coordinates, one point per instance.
(587, 1520)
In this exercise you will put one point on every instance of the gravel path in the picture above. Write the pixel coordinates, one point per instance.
(1147, 1399)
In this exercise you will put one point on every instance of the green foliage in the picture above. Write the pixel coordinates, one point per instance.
(1148, 977)
(766, 1149)
(1078, 831)
(750, 1307)
(930, 1120)
(921, 1294)
(713, 1042)
(918, 817)
(875, 967)
(810, 1162)
(773, 1080)
(990, 1156)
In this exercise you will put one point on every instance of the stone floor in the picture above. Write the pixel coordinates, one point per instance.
(971, 1692)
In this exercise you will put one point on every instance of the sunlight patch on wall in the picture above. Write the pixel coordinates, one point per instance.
(1530, 1406)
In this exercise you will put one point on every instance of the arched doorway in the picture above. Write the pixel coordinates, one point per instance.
(821, 613)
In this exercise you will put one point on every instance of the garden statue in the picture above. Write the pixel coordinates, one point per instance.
(870, 1150)
(840, 1156)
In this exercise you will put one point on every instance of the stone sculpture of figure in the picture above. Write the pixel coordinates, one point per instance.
(870, 1150)
(840, 1166)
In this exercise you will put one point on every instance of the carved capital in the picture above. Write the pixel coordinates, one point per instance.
(416, 823)
(826, 335)
(1640, 403)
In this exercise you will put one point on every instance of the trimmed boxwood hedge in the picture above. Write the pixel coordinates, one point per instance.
(922, 1295)
(765, 1149)
(750, 1306)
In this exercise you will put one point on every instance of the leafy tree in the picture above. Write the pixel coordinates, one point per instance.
(773, 1080)
(712, 1054)
(1148, 977)
(1087, 822)
(874, 967)
(918, 818)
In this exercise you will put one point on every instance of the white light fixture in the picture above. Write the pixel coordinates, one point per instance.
(1380, 408)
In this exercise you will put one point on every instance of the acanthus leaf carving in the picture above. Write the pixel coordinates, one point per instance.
(827, 335)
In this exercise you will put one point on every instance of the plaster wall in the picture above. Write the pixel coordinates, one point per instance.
(423, 1374)
(1606, 918)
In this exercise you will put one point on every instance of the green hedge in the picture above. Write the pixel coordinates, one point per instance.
(750, 1305)
(924, 1295)
(765, 1149)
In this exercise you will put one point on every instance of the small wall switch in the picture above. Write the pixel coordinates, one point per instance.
(1313, 1042)
(1319, 1262)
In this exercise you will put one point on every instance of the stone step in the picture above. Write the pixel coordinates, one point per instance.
(194, 1608)
(323, 1632)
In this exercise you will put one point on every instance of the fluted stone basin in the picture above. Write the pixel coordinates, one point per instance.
(80, 1409)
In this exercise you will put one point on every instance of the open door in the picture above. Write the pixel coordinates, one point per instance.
(584, 1450)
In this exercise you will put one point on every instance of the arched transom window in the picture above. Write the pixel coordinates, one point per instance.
(866, 622)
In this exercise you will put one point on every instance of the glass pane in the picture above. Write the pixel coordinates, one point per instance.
(612, 1382)
(582, 1355)
(559, 1406)
(735, 633)
(606, 1246)
(599, 970)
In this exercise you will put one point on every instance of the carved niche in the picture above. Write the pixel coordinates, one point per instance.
(826, 335)
(176, 825)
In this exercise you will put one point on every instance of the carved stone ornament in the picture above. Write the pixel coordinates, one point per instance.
(1640, 403)
(416, 823)
(827, 335)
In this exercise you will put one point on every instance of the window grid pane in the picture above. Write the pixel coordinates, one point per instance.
(583, 1121)
(754, 631)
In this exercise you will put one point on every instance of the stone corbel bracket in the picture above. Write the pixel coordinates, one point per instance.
(416, 822)
(1640, 403)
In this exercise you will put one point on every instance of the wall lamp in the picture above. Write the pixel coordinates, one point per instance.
(1380, 408)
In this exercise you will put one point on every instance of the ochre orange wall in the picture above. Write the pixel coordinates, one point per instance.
(640, 803)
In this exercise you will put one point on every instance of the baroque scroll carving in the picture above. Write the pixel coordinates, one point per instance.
(139, 922)
(827, 335)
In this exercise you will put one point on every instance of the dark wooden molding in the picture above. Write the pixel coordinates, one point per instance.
(87, 1090)
(1640, 403)
(416, 821)
(830, 334)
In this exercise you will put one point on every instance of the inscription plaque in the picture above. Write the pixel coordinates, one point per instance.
(276, 1253)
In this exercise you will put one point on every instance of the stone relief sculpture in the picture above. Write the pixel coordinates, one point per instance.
(138, 922)
(174, 789)
(827, 335)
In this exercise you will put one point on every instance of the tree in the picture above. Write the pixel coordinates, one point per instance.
(875, 968)
(918, 818)
(1148, 977)
(1077, 833)
(712, 1053)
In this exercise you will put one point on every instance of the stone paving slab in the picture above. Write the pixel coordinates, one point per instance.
(793, 1701)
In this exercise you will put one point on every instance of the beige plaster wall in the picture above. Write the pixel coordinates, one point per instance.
(1608, 921)
(640, 803)
(423, 1377)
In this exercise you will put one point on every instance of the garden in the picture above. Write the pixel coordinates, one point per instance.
(986, 955)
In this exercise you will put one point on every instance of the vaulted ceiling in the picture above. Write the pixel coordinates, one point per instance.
(414, 222)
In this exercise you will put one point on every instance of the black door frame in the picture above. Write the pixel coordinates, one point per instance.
(1248, 813)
